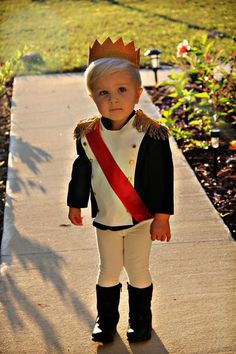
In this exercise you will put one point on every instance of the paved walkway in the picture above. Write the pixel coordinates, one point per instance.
(49, 267)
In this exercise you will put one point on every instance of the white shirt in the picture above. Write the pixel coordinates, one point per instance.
(124, 146)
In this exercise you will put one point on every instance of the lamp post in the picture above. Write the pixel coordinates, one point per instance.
(154, 55)
(215, 142)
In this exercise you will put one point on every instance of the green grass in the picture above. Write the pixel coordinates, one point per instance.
(62, 30)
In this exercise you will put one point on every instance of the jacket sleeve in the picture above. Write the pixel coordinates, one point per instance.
(154, 175)
(160, 170)
(80, 183)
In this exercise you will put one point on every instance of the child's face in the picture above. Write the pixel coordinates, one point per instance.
(115, 95)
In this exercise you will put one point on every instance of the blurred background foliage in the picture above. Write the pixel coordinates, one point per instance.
(61, 30)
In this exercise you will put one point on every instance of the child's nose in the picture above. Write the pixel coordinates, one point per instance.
(113, 97)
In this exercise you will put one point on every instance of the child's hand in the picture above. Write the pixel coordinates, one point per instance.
(160, 228)
(75, 216)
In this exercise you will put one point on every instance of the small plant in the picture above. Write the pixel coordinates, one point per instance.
(204, 93)
(9, 69)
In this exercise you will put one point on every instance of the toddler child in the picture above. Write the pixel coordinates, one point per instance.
(124, 165)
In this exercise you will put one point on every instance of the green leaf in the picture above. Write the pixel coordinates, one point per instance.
(222, 123)
(174, 95)
(177, 105)
(165, 114)
(209, 46)
(204, 39)
(194, 123)
(202, 95)
(205, 105)
(173, 75)
(190, 116)
(199, 53)
(216, 87)
(162, 120)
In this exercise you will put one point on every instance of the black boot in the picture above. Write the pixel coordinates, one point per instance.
(108, 315)
(140, 315)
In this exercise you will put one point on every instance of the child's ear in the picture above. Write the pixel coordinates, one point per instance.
(139, 93)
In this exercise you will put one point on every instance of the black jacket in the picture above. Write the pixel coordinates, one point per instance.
(153, 177)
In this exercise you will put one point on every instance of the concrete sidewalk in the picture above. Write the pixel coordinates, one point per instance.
(49, 267)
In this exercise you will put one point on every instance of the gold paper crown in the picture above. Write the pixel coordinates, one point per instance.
(118, 49)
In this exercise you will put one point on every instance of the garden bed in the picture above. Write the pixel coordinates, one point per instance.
(221, 189)
(5, 116)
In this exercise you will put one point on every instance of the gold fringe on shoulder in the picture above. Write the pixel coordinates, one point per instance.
(85, 126)
(145, 124)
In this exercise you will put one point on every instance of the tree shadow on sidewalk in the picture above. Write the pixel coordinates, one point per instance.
(32, 258)
(29, 155)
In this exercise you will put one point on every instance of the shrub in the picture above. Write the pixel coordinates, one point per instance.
(9, 69)
(203, 93)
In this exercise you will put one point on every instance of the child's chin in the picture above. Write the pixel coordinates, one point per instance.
(117, 115)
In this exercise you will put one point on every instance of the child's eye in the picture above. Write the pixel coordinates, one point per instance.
(103, 93)
(122, 89)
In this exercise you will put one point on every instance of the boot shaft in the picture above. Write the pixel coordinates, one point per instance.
(108, 314)
(140, 315)
(140, 304)
(108, 299)
(141, 296)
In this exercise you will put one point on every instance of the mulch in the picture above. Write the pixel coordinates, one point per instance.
(5, 123)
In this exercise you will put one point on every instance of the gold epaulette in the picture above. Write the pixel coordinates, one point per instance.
(151, 126)
(141, 122)
(85, 126)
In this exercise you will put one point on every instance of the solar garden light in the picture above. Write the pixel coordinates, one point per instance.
(154, 55)
(215, 143)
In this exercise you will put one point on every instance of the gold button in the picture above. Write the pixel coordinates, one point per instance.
(91, 160)
(134, 146)
(131, 162)
(130, 179)
(84, 143)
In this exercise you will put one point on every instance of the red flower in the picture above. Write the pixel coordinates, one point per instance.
(208, 57)
(183, 48)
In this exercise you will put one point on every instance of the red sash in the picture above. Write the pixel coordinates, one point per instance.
(116, 178)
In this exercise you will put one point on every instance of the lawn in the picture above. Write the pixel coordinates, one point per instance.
(62, 30)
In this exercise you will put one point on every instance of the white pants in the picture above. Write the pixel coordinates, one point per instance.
(128, 249)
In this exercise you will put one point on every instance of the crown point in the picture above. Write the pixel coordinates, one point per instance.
(115, 50)
(119, 41)
(130, 45)
(107, 41)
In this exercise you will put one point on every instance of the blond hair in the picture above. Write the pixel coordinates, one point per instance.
(107, 66)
